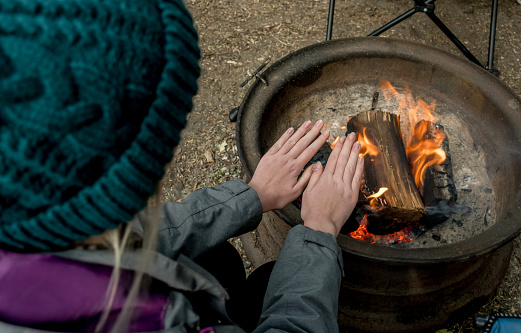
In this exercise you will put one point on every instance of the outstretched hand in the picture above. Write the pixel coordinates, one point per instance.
(276, 178)
(331, 195)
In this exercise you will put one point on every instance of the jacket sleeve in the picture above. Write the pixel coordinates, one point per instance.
(303, 290)
(206, 218)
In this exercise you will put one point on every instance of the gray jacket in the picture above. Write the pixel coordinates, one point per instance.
(302, 294)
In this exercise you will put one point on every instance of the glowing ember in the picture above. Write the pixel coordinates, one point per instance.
(397, 237)
(333, 144)
(422, 148)
(366, 146)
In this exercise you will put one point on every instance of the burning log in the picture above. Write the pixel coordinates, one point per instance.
(386, 166)
(438, 182)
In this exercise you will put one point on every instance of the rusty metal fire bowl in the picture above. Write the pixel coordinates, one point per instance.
(391, 288)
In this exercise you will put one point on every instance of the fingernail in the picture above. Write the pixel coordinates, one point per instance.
(326, 133)
(319, 124)
(357, 145)
(352, 136)
(307, 124)
(316, 166)
(360, 160)
(290, 130)
(343, 139)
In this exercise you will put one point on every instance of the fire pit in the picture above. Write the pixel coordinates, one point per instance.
(450, 270)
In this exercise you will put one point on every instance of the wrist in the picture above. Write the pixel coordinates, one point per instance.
(323, 226)
(260, 194)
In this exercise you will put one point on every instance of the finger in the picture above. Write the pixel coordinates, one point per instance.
(303, 143)
(344, 156)
(290, 143)
(333, 158)
(304, 179)
(281, 141)
(315, 175)
(312, 149)
(349, 169)
(357, 178)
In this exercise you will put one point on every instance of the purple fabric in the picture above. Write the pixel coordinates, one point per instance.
(207, 330)
(39, 290)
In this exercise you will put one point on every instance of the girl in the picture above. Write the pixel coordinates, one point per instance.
(93, 97)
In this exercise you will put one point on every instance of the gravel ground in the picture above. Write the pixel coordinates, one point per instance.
(236, 36)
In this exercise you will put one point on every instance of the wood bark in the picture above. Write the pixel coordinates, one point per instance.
(401, 204)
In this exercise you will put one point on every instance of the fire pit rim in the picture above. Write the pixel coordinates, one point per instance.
(318, 55)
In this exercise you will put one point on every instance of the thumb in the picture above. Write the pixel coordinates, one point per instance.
(315, 175)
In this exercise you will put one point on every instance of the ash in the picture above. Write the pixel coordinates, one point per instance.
(474, 210)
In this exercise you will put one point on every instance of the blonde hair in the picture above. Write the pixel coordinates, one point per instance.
(118, 241)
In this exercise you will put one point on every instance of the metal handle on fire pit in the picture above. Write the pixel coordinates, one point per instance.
(428, 7)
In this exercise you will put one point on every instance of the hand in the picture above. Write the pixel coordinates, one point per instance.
(276, 178)
(331, 195)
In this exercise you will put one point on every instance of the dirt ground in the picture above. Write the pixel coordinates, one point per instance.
(236, 36)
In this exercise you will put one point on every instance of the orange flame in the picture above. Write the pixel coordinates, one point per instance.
(375, 198)
(422, 152)
(422, 146)
(397, 237)
(333, 144)
(366, 146)
(381, 191)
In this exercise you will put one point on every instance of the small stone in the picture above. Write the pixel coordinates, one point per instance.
(469, 10)
(209, 156)
(246, 264)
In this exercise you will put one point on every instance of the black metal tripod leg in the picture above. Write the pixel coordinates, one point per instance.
(393, 22)
(330, 19)
(492, 40)
(453, 38)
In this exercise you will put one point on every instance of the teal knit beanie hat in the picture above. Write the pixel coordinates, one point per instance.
(93, 97)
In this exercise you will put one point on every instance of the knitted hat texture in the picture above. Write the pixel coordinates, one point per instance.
(93, 97)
